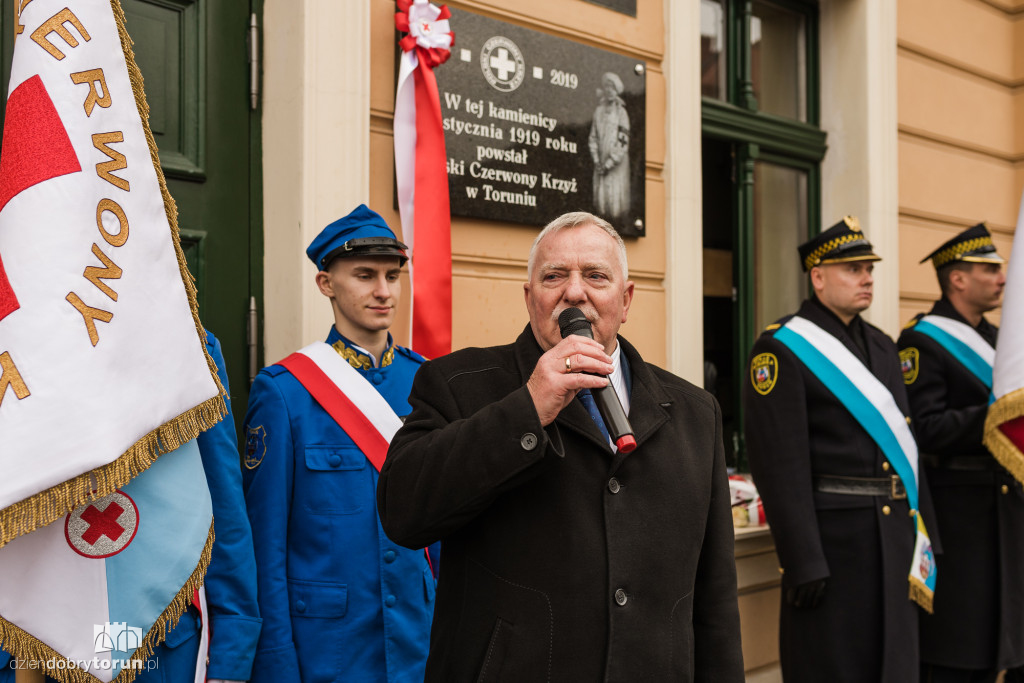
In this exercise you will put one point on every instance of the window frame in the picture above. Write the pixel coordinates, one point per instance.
(758, 136)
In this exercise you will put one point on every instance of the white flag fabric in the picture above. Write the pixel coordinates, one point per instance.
(103, 366)
(1004, 425)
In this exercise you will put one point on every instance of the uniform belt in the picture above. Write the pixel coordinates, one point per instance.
(890, 486)
(968, 463)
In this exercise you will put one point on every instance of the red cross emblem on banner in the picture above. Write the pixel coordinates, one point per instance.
(36, 148)
(104, 527)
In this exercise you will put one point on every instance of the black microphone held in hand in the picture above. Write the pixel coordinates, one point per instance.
(572, 321)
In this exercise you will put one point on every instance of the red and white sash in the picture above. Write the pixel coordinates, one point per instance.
(348, 398)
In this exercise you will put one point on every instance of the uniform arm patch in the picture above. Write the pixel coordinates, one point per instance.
(764, 371)
(909, 364)
(255, 446)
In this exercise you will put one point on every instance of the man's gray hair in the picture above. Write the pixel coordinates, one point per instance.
(576, 219)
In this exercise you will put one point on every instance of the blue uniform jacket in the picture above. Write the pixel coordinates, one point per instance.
(339, 600)
(230, 579)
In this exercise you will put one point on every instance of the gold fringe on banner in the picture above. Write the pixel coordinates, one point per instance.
(1006, 408)
(922, 595)
(47, 506)
(34, 652)
(50, 505)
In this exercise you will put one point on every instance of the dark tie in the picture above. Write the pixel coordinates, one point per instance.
(587, 399)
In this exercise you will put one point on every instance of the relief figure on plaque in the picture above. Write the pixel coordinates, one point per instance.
(609, 149)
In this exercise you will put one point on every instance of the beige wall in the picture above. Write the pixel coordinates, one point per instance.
(961, 129)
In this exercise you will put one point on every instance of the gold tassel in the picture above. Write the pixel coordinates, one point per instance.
(26, 647)
(47, 506)
(1006, 408)
(922, 595)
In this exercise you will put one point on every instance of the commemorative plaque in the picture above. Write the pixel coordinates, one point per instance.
(536, 126)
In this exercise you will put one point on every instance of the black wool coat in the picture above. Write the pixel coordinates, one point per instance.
(562, 562)
(865, 628)
(979, 604)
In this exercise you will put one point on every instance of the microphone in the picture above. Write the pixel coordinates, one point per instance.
(572, 321)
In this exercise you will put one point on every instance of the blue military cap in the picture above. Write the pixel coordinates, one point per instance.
(841, 243)
(361, 233)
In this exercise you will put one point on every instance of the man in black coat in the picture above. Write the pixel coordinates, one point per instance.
(565, 561)
(839, 513)
(978, 625)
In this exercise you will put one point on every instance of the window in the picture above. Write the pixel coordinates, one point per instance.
(762, 150)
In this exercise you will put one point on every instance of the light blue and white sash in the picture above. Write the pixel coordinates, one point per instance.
(963, 343)
(873, 406)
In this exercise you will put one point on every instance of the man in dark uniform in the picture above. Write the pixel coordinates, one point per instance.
(837, 502)
(978, 625)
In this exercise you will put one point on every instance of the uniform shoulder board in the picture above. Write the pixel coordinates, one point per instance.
(770, 329)
(409, 353)
(913, 321)
(274, 370)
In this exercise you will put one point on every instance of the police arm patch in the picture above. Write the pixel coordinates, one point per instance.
(909, 364)
(255, 446)
(764, 371)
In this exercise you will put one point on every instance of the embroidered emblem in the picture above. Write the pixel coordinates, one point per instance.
(764, 371)
(927, 565)
(360, 361)
(255, 446)
(103, 527)
(909, 364)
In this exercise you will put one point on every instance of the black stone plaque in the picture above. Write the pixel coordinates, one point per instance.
(536, 126)
(623, 6)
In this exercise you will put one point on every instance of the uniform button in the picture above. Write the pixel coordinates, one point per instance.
(782, 570)
(376, 378)
(390, 600)
(886, 509)
(529, 441)
(885, 466)
(913, 512)
(613, 485)
(1005, 489)
(389, 556)
(300, 606)
(334, 460)
(620, 597)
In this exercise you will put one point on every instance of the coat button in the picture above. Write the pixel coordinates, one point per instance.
(390, 600)
(529, 441)
(613, 485)
(389, 556)
(620, 597)
(913, 512)
(886, 509)
(885, 466)
(334, 460)
(376, 378)
(1005, 489)
(300, 606)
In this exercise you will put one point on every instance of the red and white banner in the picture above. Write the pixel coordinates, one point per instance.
(1004, 426)
(103, 366)
(105, 515)
(421, 172)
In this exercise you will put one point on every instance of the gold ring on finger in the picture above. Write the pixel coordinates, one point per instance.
(568, 364)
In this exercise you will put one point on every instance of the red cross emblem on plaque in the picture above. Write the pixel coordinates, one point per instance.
(103, 527)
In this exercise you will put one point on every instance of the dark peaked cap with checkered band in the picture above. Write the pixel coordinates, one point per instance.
(973, 245)
(841, 243)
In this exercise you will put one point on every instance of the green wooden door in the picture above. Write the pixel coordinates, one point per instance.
(194, 58)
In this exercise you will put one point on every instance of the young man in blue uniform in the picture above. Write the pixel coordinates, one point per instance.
(340, 601)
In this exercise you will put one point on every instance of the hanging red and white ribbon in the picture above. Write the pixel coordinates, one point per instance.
(421, 172)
